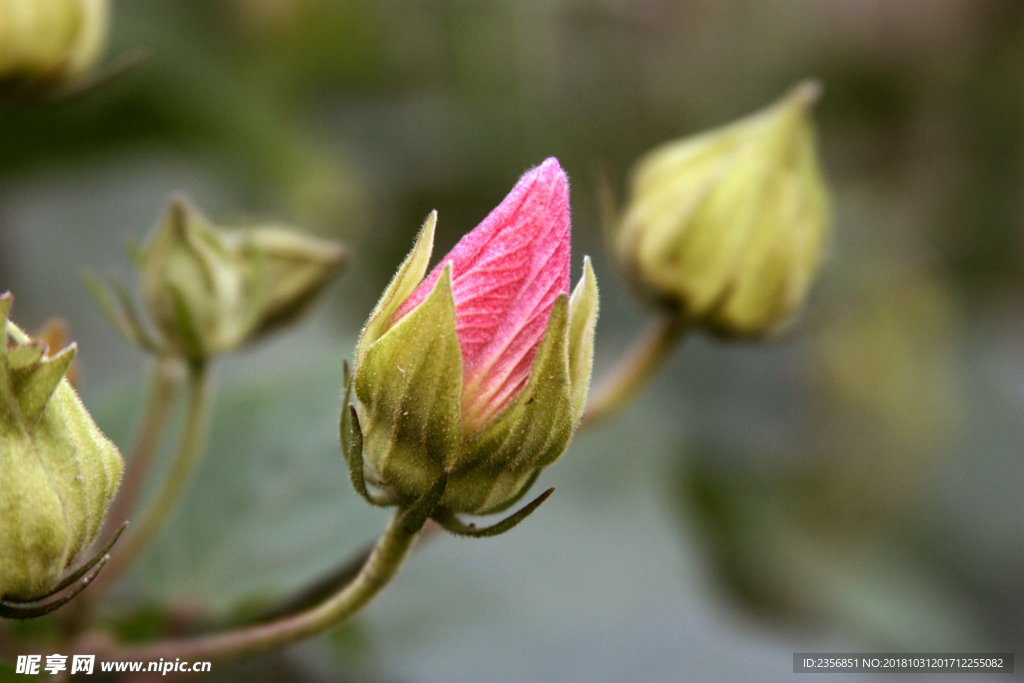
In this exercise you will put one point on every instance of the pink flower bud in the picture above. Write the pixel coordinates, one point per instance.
(472, 380)
(506, 275)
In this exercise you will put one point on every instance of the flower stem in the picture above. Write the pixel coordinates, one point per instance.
(163, 389)
(635, 368)
(182, 468)
(382, 565)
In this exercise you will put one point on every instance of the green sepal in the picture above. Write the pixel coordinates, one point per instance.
(25, 355)
(452, 524)
(187, 332)
(409, 387)
(582, 320)
(6, 301)
(346, 419)
(131, 315)
(35, 384)
(353, 447)
(120, 312)
(506, 504)
(76, 454)
(109, 307)
(33, 528)
(33, 609)
(289, 271)
(409, 274)
(530, 434)
(38, 606)
(88, 566)
(419, 512)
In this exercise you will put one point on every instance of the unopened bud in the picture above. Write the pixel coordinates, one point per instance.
(210, 290)
(479, 371)
(294, 270)
(50, 40)
(58, 473)
(727, 227)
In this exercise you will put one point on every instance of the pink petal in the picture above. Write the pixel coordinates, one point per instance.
(506, 274)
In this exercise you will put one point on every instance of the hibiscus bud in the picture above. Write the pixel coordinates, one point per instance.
(295, 269)
(48, 40)
(481, 369)
(58, 473)
(727, 227)
(210, 290)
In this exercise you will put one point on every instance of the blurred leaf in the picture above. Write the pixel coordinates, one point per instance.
(147, 623)
(45, 629)
(270, 507)
(813, 574)
(890, 360)
(8, 675)
(192, 94)
(350, 641)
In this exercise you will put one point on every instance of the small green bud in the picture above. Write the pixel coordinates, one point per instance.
(210, 290)
(50, 40)
(728, 226)
(58, 473)
(295, 269)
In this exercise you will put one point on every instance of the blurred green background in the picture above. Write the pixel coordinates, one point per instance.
(852, 486)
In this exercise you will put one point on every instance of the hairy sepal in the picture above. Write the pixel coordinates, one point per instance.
(496, 463)
(409, 274)
(582, 320)
(408, 384)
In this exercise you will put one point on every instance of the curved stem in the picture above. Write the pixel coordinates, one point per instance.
(383, 564)
(163, 389)
(182, 468)
(635, 367)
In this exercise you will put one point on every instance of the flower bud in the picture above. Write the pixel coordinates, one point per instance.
(727, 227)
(58, 473)
(295, 269)
(210, 290)
(49, 40)
(481, 369)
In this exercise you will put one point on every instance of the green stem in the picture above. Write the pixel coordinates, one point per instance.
(182, 468)
(635, 368)
(383, 564)
(163, 389)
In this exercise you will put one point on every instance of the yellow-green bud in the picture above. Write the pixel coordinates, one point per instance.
(295, 269)
(210, 290)
(51, 39)
(58, 473)
(727, 227)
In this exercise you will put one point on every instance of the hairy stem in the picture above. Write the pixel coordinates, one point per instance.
(382, 565)
(182, 468)
(635, 368)
(163, 389)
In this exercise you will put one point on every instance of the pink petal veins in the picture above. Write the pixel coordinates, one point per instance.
(506, 275)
